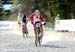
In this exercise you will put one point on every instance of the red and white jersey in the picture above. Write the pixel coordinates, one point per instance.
(33, 17)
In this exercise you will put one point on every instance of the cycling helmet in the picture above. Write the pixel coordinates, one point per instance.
(37, 12)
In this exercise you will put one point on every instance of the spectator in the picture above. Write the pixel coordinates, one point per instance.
(57, 17)
(19, 20)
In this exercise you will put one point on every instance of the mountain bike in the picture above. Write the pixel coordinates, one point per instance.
(38, 35)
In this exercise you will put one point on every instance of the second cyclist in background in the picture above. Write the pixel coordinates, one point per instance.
(24, 26)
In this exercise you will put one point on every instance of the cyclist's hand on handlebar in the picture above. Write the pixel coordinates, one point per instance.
(44, 23)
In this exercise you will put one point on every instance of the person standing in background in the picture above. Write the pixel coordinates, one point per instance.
(19, 20)
(57, 17)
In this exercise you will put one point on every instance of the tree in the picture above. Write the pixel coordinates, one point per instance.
(52, 6)
(24, 6)
(60, 6)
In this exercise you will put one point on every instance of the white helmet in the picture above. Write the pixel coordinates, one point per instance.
(37, 12)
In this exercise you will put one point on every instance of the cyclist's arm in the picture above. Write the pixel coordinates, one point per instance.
(43, 20)
(31, 18)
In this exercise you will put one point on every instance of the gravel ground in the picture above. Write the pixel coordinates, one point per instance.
(12, 41)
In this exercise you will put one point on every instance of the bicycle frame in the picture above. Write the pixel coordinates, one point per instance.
(24, 30)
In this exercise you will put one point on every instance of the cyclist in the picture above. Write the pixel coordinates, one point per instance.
(24, 22)
(24, 25)
(33, 18)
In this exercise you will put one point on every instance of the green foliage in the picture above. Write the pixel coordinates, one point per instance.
(44, 4)
(63, 7)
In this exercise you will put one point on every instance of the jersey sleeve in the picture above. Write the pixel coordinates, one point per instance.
(41, 17)
(31, 17)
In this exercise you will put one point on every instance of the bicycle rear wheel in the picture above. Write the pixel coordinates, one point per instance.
(24, 31)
